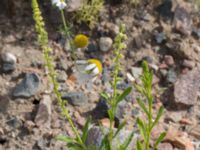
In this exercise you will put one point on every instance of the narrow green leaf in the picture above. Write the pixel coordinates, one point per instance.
(104, 95)
(85, 130)
(139, 145)
(159, 114)
(119, 128)
(142, 128)
(123, 95)
(160, 138)
(65, 139)
(142, 105)
(126, 143)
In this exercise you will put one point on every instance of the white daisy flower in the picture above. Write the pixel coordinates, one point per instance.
(59, 3)
(93, 67)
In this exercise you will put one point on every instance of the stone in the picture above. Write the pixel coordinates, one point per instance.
(182, 20)
(188, 63)
(75, 98)
(164, 9)
(61, 76)
(8, 62)
(28, 87)
(186, 88)
(179, 139)
(15, 122)
(4, 103)
(105, 44)
(169, 60)
(196, 32)
(160, 37)
(136, 72)
(74, 5)
(164, 146)
(171, 76)
(96, 135)
(43, 116)
(195, 131)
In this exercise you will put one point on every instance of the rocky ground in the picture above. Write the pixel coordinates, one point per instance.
(166, 34)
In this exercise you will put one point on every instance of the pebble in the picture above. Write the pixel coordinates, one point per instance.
(28, 87)
(105, 44)
(61, 76)
(136, 72)
(164, 146)
(196, 32)
(182, 20)
(188, 63)
(169, 60)
(186, 88)
(171, 76)
(8, 62)
(195, 131)
(15, 122)
(76, 98)
(43, 116)
(164, 9)
(160, 37)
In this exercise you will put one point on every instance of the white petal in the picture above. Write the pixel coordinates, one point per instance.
(81, 62)
(95, 71)
(130, 77)
(61, 5)
(90, 67)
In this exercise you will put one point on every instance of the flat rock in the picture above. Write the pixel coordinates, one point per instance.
(96, 135)
(43, 117)
(195, 131)
(28, 87)
(8, 62)
(186, 88)
(76, 98)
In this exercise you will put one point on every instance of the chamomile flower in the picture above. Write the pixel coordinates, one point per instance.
(93, 67)
(59, 3)
(80, 41)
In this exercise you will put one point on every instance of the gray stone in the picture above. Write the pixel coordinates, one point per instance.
(4, 102)
(61, 76)
(186, 88)
(28, 87)
(182, 20)
(136, 72)
(75, 98)
(105, 44)
(43, 117)
(96, 135)
(160, 37)
(196, 32)
(189, 64)
(171, 76)
(74, 5)
(8, 62)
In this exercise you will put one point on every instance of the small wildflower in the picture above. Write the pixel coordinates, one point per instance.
(81, 41)
(59, 3)
(93, 67)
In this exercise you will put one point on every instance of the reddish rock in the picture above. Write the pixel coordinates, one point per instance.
(186, 88)
(164, 146)
(195, 131)
(169, 60)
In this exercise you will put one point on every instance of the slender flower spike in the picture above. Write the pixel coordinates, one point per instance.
(80, 41)
(59, 3)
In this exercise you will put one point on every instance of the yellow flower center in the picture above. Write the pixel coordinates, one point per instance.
(97, 63)
(80, 41)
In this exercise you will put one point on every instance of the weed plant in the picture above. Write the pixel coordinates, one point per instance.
(146, 126)
(79, 141)
(89, 12)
